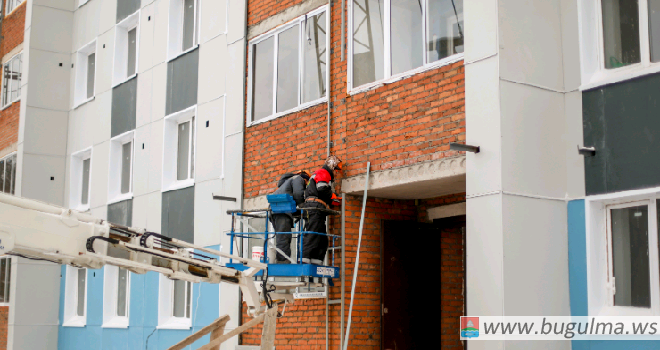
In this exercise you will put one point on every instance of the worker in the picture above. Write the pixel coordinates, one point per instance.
(293, 184)
(318, 194)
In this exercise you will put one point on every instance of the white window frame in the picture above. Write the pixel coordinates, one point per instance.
(170, 145)
(82, 2)
(592, 57)
(274, 34)
(175, 30)
(18, 98)
(16, 4)
(5, 167)
(166, 320)
(80, 86)
(120, 64)
(110, 299)
(71, 319)
(8, 282)
(387, 66)
(115, 170)
(76, 180)
(599, 252)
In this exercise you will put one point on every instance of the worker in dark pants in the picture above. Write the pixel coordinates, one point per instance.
(318, 194)
(294, 185)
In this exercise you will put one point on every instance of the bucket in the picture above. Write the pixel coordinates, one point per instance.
(258, 253)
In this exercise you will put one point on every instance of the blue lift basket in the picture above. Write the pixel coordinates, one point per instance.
(283, 204)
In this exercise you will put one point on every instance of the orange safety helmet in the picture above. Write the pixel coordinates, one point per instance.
(333, 162)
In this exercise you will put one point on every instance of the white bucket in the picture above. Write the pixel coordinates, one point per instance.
(258, 253)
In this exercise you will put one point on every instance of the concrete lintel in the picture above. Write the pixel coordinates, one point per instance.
(446, 211)
(283, 17)
(418, 181)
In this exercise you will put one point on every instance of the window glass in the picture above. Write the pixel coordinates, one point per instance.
(183, 151)
(122, 291)
(630, 259)
(15, 78)
(444, 31)
(188, 298)
(180, 299)
(132, 47)
(80, 307)
(12, 176)
(188, 24)
(5, 268)
(368, 39)
(407, 35)
(620, 33)
(91, 61)
(85, 181)
(287, 69)
(6, 79)
(126, 151)
(314, 58)
(9, 174)
(262, 79)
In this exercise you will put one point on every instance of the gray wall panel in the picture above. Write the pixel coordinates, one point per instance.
(124, 106)
(182, 82)
(178, 209)
(621, 121)
(121, 213)
(126, 8)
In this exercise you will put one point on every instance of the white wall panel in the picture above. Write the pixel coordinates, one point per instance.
(570, 44)
(208, 150)
(94, 17)
(25, 68)
(213, 21)
(78, 28)
(481, 29)
(229, 302)
(212, 68)
(22, 115)
(107, 15)
(98, 117)
(233, 166)
(155, 147)
(49, 83)
(51, 29)
(236, 24)
(575, 185)
(98, 184)
(100, 212)
(104, 61)
(482, 114)
(161, 18)
(141, 161)
(158, 95)
(19, 170)
(207, 213)
(531, 42)
(43, 130)
(67, 5)
(146, 52)
(143, 103)
(235, 87)
(36, 173)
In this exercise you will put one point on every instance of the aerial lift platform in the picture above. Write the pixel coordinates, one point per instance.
(37, 230)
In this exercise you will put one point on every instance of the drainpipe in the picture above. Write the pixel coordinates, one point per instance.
(329, 76)
(240, 293)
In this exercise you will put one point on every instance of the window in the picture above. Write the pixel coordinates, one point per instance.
(85, 74)
(288, 67)
(121, 168)
(11, 5)
(8, 174)
(11, 80)
(75, 312)
(175, 304)
(81, 168)
(183, 27)
(389, 38)
(179, 148)
(116, 297)
(5, 279)
(126, 49)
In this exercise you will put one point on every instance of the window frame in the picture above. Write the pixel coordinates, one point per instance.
(11, 101)
(8, 275)
(115, 167)
(170, 149)
(110, 298)
(175, 29)
(71, 319)
(120, 57)
(599, 251)
(387, 66)
(4, 169)
(81, 76)
(166, 318)
(8, 11)
(274, 33)
(76, 180)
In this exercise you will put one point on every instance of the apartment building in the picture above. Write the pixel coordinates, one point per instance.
(131, 111)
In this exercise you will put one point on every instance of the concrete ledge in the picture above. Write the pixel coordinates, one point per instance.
(283, 17)
(259, 202)
(446, 211)
(418, 181)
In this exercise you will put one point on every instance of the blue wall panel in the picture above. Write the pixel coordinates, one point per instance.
(143, 317)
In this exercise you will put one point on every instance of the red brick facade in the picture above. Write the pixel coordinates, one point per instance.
(13, 27)
(4, 317)
(406, 122)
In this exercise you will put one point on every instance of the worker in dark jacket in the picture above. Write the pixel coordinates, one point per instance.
(318, 195)
(294, 185)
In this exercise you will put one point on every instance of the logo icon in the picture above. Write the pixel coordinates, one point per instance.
(469, 327)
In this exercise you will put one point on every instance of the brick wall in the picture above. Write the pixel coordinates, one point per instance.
(9, 125)
(13, 27)
(4, 317)
(452, 274)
